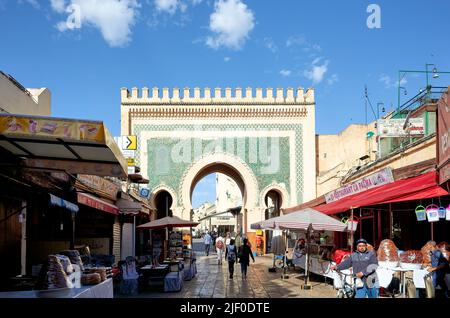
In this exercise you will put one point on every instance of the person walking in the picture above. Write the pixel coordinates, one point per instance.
(220, 248)
(364, 264)
(238, 239)
(231, 255)
(207, 240)
(439, 267)
(228, 239)
(244, 257)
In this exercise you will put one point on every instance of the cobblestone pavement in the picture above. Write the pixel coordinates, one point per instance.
(212, 281)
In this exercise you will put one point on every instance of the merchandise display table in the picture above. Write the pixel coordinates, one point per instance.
(316, 266)
(102, 290)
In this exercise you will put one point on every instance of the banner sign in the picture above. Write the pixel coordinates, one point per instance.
(443, 140)
(102, 185)
(377, 179)
(396, 127)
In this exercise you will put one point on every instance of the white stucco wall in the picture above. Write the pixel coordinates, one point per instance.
(13, 100)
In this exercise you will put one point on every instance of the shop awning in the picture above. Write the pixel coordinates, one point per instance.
(420, 187)
(75, 146)
(97, 203)
(57, 201)
(128, 207)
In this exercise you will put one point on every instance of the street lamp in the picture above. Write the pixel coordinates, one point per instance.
(434, 71)
(378, 109)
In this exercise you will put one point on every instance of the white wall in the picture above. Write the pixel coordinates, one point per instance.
(13, 100)
(127, 240)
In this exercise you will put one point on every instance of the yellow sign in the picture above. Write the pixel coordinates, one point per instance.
(130, 162)
(129, 142)
(259, 232)
(52, 127)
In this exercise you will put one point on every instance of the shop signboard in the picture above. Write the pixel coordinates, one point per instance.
(374, 180)
(443, 140)
(102, 185)
(52, 127)
(401, 127)
(128, 146)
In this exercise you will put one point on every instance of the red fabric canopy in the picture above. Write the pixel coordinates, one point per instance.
(420, 187)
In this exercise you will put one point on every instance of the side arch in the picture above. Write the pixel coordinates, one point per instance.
(280, 189)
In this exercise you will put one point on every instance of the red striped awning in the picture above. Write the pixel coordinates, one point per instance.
(97, 203)
(420, 187)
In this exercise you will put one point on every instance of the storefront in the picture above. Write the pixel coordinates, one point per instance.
(41, 157)
(388, 211)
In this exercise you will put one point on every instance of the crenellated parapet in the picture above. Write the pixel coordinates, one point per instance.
(238, 96)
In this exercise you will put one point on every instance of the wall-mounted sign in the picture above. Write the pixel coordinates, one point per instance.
(398, 128)
(130, 162)
(374, 180)
(103, 186)
(443, 139)
(144, 192)
(127, 142)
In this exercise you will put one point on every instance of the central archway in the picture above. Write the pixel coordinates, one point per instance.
(227, 164)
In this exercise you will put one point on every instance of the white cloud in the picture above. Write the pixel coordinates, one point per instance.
(170, 6)
(316, 47)
(34, 3)
(295, 40)
(285, 73)
(232, 21)
(268, 43)
(196, 2)
(227, 58)
(58, 5)
(333, 79)
(385, 79)
(389, 82)
(114, 18)
(317, 72)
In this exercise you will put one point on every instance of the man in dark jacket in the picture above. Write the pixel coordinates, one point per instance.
(438, 269)
(364, 264)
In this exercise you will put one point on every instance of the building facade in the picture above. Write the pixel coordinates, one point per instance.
(264, 141)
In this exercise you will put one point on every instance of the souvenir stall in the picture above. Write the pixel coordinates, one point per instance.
(308, 220)
(175, 267)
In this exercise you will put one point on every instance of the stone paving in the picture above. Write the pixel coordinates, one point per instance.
(212, 281)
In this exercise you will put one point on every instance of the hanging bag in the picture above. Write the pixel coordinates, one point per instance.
(442, 212)
(429, 286)
(447, 213)
(432, 213)
(352, 224)
(420, 213)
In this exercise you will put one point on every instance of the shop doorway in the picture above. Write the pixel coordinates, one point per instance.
(273, 204)
(163, 202)
(367, 229)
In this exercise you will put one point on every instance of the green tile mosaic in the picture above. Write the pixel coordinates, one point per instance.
(168, 158)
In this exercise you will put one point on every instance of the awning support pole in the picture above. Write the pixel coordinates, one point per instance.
(351, 231)
(23, 250)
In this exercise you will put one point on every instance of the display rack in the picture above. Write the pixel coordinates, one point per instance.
(175, 245)
(187, 244)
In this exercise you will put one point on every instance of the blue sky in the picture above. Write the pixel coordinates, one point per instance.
(236, 43)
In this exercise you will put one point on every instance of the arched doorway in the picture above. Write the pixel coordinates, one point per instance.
(215, 201)
(163, 202)
(273, 203)
(223, 174)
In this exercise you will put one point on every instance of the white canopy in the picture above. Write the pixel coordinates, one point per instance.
(301, 220)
